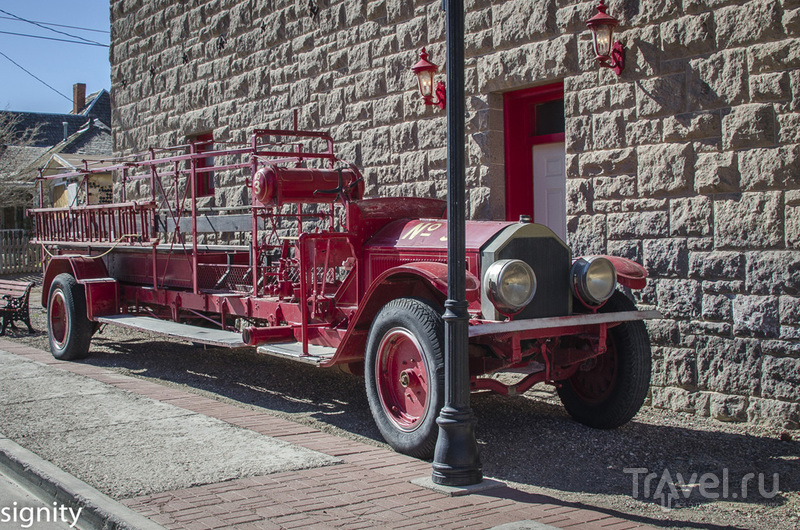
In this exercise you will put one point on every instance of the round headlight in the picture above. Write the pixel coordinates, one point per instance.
(510, 284)
(594, 279)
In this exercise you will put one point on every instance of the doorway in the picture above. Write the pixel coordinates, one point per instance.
(536, 179)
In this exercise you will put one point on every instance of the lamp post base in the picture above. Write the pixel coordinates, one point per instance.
(456, 445)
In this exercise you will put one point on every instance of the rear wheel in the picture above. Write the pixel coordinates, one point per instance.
(404, 375)
(67, 326)
(608, 390)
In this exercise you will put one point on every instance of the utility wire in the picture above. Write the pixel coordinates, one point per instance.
(59, 25)
(33, 76)
(53, 38)
(51, 29)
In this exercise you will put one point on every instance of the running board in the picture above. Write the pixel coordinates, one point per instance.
(214, 337)
(294, 350)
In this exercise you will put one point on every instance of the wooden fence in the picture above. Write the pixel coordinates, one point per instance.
(17, 254)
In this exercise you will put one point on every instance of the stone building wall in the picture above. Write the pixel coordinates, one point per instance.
(689, 162)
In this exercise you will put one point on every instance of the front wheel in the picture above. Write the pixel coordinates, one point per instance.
(608, 390)
(67, 326)
(404, 375)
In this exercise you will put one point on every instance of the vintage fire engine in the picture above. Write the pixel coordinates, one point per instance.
(312, 271)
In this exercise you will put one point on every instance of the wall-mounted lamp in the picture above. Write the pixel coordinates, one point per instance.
(425, 70)
(602, 26)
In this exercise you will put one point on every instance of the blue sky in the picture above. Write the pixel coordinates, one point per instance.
(59, 64)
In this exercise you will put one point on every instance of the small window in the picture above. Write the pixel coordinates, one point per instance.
(549, 117)
(205, 178)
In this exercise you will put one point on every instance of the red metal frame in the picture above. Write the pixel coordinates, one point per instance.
(519, 110)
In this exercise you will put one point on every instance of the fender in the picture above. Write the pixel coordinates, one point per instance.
(420, 279)
(102, 294)
(629, 273)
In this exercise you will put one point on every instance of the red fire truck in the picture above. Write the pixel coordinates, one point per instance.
(313, 271)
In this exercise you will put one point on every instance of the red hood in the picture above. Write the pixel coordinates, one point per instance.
(431, 234)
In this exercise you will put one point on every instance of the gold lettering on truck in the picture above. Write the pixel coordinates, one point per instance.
(422, 230)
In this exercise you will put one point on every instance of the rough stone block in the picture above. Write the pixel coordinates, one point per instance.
(663, 332)
(680, 367)
(388, 110)
(644, 53)
(790, 310)
(587, 234)
(752, 22)
(752, 220)
(774, 413)
(690, 217)
(770, 87)
(666, 258)
(774, 56)
(716, 173)
(769, 168)
(680, 299)
(748, 126)
(692, 125)
(601, 163)
(717, 265)
(717, 307)
(376, 146)
(776, 272)
(791, 21)
(730, 366)
(780, 378)
(578, 134)
(719, 80)
(756, 316)
(643, 132)
(630, 249)
(671, 398)
(578, 196)
(660, 96)
(638, 225)
(618, 187)
(665, 169)
(793, 227)
(609, 130)
(520, 21)
(691, 35)
(593, 100)
(727, 408)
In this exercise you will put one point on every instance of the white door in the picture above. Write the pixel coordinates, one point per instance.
(550, 188)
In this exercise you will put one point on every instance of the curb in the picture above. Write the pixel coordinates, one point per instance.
(45, 479)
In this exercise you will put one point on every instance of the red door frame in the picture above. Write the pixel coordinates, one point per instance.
(519, 115)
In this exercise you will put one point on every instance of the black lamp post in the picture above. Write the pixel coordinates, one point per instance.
(456, 461)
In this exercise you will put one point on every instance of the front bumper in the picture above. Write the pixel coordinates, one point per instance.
(559, 323)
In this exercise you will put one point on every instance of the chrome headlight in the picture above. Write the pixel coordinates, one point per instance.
(510, 284)
(594, 279)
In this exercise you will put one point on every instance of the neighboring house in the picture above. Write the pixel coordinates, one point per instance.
(83, 133)
(688, 162)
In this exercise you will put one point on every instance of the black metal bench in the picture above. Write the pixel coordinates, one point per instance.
(14, 304)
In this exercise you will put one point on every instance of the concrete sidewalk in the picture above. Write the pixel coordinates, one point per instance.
(133, 450)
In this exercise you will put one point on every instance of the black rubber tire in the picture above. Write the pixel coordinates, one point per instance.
(417, 318)
(628, 387)
(69, 336)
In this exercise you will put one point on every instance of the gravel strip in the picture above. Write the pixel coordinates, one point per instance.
(528, 441)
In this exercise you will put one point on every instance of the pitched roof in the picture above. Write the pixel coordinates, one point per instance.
(51, 128)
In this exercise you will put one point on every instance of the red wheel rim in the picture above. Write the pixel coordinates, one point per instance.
(59, 318)
(594, 385)
(402, 379)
